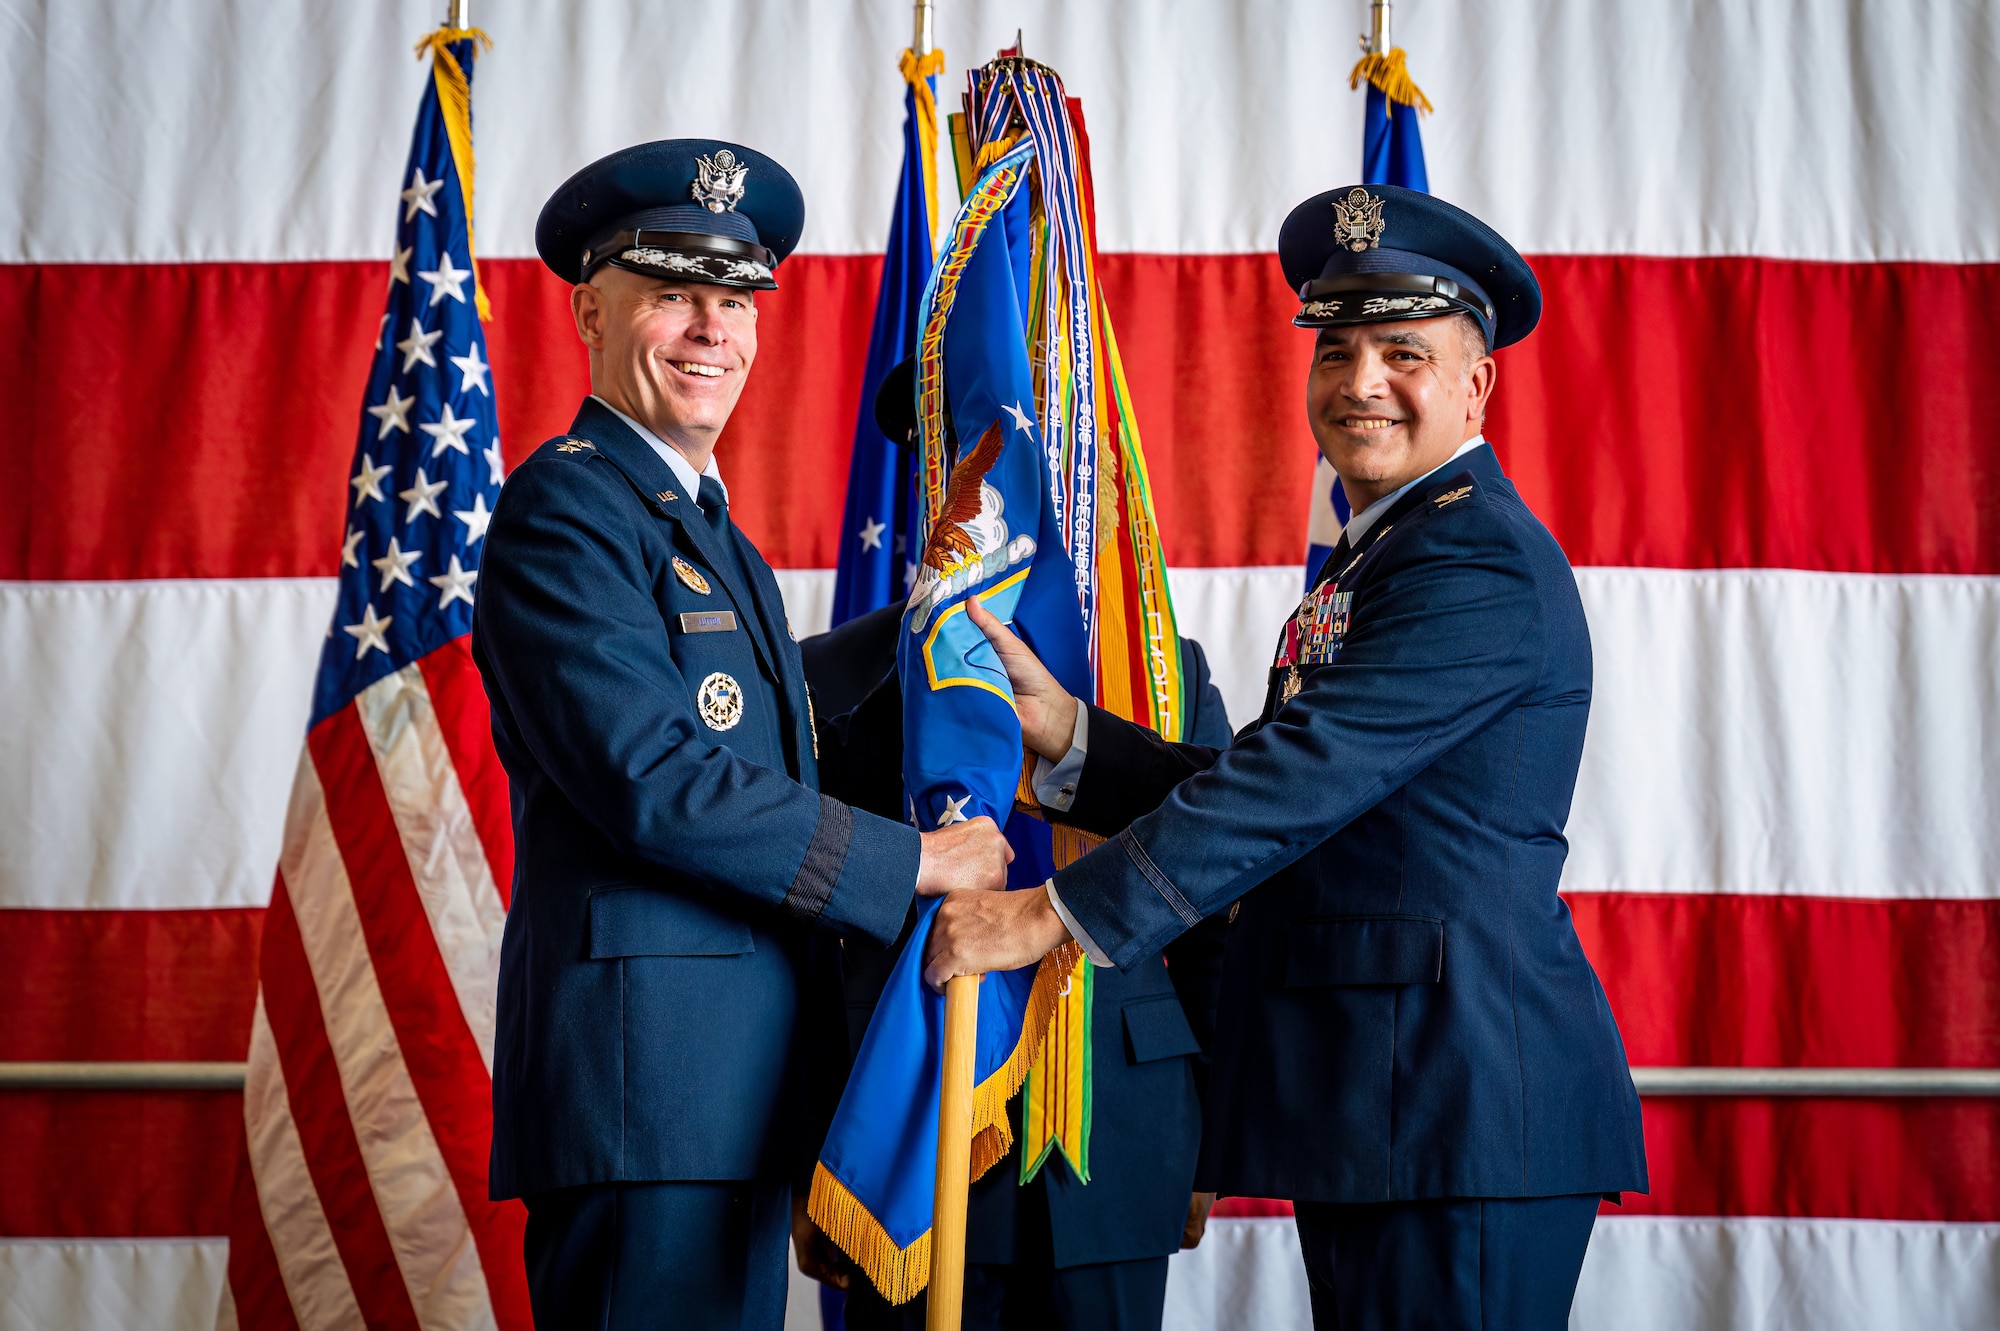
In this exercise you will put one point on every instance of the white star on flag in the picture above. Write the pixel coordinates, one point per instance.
(368, 633)
(492, 455)
(871, 534)
(399, 267)
(449, 431)
(954, 809)
(393, 412)
(395, 566)
(421, 194)
(446, 280)
(1021, 421)
(421, 497)
(417, 346)
(475, 518)
(348, 557)
(455, 583)
(367, 482)
(474, 370)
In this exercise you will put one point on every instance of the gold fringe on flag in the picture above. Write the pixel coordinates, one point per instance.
(1388, 73)
(454, 92)
(900, 1274)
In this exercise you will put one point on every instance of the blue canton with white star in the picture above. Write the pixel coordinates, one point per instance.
(426, 469)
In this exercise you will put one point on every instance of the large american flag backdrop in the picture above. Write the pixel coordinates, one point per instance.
(1758, 415)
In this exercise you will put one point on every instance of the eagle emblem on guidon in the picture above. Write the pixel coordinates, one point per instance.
(718, 184)
(720, 700)
(1359, 219)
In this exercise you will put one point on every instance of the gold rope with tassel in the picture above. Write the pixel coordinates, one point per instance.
(917, 71)
(1389, 74)
(454, 92)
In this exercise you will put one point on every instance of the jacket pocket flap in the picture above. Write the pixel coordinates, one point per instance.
(1365, 949)
(1157, 1028)
(652, 922)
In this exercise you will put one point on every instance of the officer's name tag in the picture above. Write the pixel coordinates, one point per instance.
(708, 621)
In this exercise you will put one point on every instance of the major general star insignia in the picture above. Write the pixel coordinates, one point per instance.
(690, 575)
(574, 445)
(1452, 496)
(720, 700)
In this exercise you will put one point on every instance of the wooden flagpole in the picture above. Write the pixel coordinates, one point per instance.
(946, 1302)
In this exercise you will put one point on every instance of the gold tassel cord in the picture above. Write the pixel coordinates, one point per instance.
(917, 71)
(455, 101)
(1392, 77)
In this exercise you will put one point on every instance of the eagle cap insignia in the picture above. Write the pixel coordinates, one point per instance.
(690, 575)
(718, 184)
(1358, 218)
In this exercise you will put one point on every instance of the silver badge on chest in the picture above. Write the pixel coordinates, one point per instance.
(720, 701)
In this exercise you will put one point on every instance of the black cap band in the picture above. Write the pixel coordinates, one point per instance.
(691, 256)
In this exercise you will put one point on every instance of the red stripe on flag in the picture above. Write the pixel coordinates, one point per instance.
(1670, 412)
(465, 718)
(1776, 981)
(326, 1133)
(117, 1164)
(255, 1282)
(438, 1050)
(127, 984)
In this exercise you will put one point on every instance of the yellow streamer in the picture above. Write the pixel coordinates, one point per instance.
(1387, 72)
(454, 92)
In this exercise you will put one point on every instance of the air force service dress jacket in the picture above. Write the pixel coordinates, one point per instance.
(1405, 1011)
(1149, 1024)
(673, 858)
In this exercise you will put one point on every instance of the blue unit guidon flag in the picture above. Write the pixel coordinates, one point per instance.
(367, 1106)
(878, 555)
(995, 537)
(1392, 153)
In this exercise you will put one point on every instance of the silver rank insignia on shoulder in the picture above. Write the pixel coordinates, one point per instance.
(1359, 217)
(720, 701)
(1452, 496)
(718, 184)
(574, 445)
(1289, 688)
(690, 575)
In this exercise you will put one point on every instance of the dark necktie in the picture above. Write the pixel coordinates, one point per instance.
(714, 505)
(1334, 562)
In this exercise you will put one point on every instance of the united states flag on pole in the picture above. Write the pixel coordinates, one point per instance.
(367, 1108)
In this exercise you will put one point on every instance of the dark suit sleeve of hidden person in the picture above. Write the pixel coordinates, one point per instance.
(591, 689)
(1448, 636)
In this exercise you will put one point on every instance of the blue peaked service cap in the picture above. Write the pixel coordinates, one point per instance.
(1375, 253)
(695, 210)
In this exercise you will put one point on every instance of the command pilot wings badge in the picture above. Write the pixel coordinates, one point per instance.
(1359, 218)
(718, 184)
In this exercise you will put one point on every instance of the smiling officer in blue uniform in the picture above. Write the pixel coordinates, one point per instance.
(1411, 1044)
(665, 981)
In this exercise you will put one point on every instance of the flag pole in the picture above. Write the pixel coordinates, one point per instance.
(946, 1303)
(922, 41)
(458, 14)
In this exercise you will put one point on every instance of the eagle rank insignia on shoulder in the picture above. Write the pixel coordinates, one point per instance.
(1452, 496)
(720, 701)
(690, 575)
(1359, 219)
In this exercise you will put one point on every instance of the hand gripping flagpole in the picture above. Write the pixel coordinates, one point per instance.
(954, 1159)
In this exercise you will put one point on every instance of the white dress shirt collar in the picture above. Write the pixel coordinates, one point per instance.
(1363, 522)
(673, 457)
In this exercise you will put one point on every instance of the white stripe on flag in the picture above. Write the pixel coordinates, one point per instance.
(1773, 731)
(446, 857)
(413, 1188)
(315, 1278)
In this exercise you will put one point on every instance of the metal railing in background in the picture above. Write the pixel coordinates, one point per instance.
(1740, 1083)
